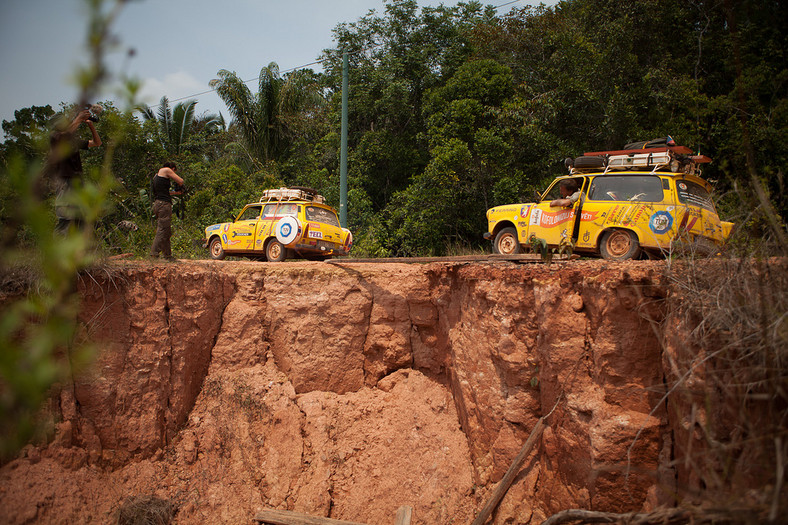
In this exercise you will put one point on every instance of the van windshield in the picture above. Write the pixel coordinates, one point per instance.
(694, 194)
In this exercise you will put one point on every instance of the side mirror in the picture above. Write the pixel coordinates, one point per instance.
(537, 196)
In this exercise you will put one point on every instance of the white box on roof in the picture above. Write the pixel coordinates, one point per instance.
(288, 194)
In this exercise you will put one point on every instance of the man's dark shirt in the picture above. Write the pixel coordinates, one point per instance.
(67, 146)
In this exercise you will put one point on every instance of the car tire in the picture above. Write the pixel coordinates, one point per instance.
(506, 242)
(275, 251)
(619, 245)
(589, 162)
(215, 249)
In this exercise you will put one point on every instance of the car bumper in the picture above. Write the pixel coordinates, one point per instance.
(322, 247)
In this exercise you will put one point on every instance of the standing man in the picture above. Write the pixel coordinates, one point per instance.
(162, 209)
(66, 166)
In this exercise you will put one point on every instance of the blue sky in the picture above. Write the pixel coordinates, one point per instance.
(179, 44)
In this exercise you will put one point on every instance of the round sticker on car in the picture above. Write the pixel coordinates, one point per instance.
(288, 229)
(660, 222)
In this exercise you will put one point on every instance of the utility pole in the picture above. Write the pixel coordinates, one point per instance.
(343, 147)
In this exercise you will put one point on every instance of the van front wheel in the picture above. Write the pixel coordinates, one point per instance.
(506, 242)
(619, 245)
(215, 249)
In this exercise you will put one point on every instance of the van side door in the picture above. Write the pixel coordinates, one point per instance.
(551, 223)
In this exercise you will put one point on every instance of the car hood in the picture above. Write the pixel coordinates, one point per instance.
(520, 210)
(215, 227)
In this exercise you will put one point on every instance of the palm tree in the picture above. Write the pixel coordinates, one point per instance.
(175, 125)
(210, 123)
(263, 117)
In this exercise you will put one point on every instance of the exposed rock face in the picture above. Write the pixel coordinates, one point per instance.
(349, 390)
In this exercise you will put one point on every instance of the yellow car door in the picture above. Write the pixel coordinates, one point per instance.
(553, 223)
(240, 233)
(272, 212)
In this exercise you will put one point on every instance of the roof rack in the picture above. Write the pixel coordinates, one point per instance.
(674, 159)
(292, 194)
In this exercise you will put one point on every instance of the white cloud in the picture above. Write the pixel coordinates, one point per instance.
(174, 86)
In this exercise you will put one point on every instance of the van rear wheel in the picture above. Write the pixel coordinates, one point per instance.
(619, 245)
(506, 242)
(275, 251)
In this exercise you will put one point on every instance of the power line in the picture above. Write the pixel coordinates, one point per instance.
(246, 81)
(301, 67)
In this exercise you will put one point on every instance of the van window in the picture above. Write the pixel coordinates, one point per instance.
(250, 213)
(635, 188)
(555, 190)
(693, 194)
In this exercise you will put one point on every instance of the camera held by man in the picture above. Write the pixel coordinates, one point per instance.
(95, 111)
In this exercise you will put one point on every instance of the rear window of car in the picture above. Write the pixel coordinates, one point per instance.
(314, 213)
(280, 210)
(635, 188)
(694, 194)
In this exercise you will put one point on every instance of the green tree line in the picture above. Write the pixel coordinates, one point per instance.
(453, 110)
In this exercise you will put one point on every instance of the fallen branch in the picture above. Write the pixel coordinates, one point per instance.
(514, 468)
(661, 516)
(508, 478)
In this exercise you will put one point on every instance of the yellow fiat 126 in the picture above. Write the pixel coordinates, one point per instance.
(286, 223)
(617, 204)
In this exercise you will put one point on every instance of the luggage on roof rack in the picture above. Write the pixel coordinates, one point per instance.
(292, 193)
(675, 159)
(653, 143)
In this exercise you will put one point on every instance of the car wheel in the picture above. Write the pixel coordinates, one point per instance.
(619, 245)
(275, 251)
(215, 249)
(506, 242)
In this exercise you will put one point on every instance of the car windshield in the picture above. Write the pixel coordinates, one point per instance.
(314, 213)
(635, 188)
(694, 194)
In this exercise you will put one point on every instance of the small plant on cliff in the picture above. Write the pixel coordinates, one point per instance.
(565, 247)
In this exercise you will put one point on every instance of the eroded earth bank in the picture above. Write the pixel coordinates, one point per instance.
(346, 391)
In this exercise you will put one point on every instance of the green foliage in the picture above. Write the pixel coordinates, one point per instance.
(27, 135)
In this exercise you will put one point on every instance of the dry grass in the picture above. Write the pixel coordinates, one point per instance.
(729, 381)
(145, 510)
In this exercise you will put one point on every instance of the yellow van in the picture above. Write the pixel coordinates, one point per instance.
(285, 223)
(617, 204)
